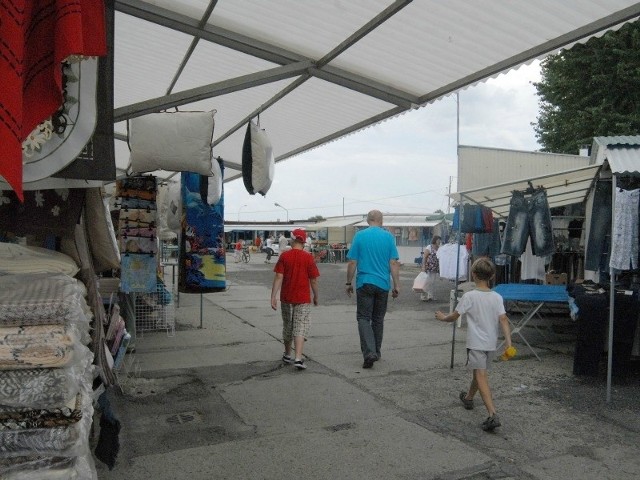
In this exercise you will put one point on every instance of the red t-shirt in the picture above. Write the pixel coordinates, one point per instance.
(298, 267)
(239, 246)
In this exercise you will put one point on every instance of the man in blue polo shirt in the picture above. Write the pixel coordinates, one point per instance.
(373, 254)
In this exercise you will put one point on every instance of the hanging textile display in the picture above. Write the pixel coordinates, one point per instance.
(137, 237)
(37, 39)
(97, 161)
(202, 254)
(448, 253)
(529, 218)
(41, 212)
(475, 219)
(598, 242)
(624, 238)
(487, 244)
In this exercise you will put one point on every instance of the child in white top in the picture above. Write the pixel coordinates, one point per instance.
(485, 312)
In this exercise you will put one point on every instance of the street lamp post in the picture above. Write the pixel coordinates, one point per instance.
(239, 210)
(278, 205)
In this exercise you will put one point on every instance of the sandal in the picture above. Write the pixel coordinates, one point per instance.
(468, 404)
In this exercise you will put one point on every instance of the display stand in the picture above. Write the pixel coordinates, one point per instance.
(155, 311)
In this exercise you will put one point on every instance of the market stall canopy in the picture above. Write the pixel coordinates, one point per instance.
(563, 188)
(313, 72)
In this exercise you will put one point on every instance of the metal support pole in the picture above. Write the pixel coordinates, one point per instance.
(455, 294)
(201, 310)
(612, 297)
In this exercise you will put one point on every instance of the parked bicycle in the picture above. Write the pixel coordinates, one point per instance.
(246, 255)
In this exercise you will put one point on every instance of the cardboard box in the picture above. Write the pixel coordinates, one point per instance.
(555, 279)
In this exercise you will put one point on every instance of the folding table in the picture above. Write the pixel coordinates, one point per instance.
(536, 296)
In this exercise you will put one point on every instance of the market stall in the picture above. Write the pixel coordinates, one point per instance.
(613, 163)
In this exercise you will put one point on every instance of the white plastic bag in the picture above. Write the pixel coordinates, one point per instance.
(420, 282)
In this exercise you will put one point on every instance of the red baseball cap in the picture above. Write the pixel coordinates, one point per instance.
(299, 235)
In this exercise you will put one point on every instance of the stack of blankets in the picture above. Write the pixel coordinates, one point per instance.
(46, 372)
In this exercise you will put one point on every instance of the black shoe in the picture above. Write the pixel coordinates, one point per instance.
(491, 423)
(287, 358)
(369, 359)
(299, 364)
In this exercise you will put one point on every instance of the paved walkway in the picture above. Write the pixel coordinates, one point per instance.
(217, 403)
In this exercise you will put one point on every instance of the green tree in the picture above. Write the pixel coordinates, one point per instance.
(316, 218)
(591, 90)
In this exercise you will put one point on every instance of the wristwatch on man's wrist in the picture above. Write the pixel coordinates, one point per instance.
(348, 283)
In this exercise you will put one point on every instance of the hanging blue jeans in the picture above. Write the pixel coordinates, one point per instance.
(487, 244)
(371, 307)
(529, 216)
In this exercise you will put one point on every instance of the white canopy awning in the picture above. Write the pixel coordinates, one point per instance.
(315, 71)
(268, 227)
(563, 188)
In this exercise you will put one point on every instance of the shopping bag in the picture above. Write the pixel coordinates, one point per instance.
(420, 282)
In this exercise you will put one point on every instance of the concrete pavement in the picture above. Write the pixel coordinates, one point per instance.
(217, 402)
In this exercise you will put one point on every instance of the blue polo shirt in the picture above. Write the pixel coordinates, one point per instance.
(373, 248)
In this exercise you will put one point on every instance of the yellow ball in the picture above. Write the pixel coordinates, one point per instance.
(509, 353)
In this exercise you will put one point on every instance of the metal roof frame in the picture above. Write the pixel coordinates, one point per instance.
(340, 66)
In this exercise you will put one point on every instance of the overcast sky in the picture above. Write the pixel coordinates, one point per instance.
(404, 165)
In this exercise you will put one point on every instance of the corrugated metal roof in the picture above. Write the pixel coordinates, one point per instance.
(622, 153)
(316, 71)
(480, 166)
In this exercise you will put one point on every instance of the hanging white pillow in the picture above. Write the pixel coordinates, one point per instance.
(173, 141)
(101, 234)
(214, 192)
(257, 161)
(164, 233)
(172, 201)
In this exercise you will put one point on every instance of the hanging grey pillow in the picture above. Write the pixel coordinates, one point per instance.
(257, 161)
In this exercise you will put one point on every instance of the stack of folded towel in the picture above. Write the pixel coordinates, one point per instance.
(46, 372)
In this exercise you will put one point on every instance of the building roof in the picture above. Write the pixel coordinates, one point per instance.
(622, 153)
(336, 222)
(417, 221)
(269, 227)
(481, 166)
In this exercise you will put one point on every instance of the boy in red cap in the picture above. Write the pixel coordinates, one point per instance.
(295, 274)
